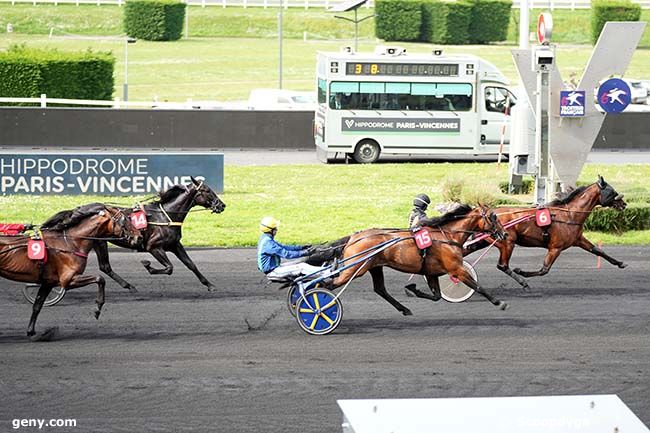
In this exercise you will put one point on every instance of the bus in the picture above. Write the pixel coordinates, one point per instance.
(391, 102)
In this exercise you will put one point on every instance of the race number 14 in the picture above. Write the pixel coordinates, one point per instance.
(139, 220)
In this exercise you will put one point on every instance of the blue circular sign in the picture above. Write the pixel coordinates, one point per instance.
(614, 95)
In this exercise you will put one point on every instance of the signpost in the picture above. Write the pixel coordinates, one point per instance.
(614, 95)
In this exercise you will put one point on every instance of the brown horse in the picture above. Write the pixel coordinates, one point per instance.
(568, 216)
(444, 256)
(68, 237)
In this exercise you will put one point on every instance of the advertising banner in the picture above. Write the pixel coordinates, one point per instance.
(400, 125)
(106, 173)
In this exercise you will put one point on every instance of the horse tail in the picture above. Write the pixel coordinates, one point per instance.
(328, 252)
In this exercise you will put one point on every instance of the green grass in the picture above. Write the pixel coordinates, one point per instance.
(234, 50)
(317, 203)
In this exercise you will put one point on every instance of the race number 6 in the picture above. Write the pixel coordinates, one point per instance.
(543, 217)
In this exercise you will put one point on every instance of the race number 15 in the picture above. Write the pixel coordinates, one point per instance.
(422, 239)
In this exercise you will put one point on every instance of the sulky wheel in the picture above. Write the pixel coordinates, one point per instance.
(319, 312)
(454, 290)
(30, 291)
(293, 295)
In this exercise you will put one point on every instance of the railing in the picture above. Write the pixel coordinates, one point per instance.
(306, 4)
(44, 101)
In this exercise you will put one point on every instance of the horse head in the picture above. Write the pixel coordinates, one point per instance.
(608, 195)
(489, 223)
(118, 225)
(204, 196)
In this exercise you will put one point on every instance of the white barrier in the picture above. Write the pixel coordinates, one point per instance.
(306, 4)
(43, 101)
(557, 414)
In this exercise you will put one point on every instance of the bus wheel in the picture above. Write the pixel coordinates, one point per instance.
(366, 152)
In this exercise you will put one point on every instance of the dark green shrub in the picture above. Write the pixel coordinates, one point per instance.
(490, 20)
(154, 20)
(398, 20)
(613, 221)
(446, 22)
(29, 72)
(611, 10)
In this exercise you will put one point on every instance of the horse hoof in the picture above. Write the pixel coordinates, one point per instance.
(517, 270)
(623, 265)
(145, 263)
(131, 289)
(407, 313)
(97, 313)
(503, 306)
(211, 287)
(31, 333)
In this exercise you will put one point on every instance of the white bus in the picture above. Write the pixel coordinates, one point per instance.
(390, 102)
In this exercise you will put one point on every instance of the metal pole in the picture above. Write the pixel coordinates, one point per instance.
(125, 94)
(280, 47)
(356, 31)
(524, 21)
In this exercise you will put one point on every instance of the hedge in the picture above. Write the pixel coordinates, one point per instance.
(30, 72)
(398, 20)
(610, 220)
(611, 10)
(490, 20)
(446, 22)
(154, 20)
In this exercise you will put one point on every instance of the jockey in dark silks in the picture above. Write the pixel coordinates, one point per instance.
(270, 252)
(420, 204)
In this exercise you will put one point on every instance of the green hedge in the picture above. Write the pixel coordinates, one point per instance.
(29, 72)
(398, 20)
(613, 221)
(490, 20)
(611, 10)
(446, 22)
(154, 20)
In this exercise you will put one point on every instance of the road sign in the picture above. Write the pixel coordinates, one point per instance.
(572, 103)
(544, 28)
(614, 95)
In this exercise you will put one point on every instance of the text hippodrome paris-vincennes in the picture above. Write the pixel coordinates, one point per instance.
(87, 175)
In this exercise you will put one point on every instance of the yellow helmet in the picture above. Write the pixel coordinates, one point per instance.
(268, 224)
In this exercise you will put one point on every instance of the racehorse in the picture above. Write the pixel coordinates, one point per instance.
(568, 216)
(444, 256)
(165, 218)
(68, 236)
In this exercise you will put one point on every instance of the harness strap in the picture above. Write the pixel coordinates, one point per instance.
(169, 223)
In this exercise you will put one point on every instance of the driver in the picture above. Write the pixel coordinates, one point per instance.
(270, 252)
(420, 204)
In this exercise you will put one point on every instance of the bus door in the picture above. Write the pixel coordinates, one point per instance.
(494, 110)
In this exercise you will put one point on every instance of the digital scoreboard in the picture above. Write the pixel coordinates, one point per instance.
(403, 69)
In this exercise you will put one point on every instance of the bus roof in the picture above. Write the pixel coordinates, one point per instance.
(486, 70)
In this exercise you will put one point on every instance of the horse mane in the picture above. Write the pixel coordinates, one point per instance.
(69, 218)
(327, 252)
(170, 194)
(568, 198)
(452, 215)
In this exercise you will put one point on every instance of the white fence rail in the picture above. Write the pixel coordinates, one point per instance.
(306, 4)
(44, 102)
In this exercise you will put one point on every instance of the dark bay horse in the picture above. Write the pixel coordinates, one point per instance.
(68, 237)
(163, 233)
(568, 216)
(444, 256)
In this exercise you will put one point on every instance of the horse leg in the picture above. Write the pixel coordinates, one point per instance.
(505, 253)
(180, 252)
(43, 293)
(584, 243)
(463, 275)
(434, 286)
(378, 284)
(550, 258)
(83, 280)
(160, 255)
(101, 249)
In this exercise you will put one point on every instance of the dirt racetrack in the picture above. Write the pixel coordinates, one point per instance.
(175, 358)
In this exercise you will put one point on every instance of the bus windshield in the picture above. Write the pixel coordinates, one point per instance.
(347, 95)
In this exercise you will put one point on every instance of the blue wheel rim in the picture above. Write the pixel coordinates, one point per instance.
(318, 312)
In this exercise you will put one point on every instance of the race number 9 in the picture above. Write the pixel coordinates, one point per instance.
(423, 239)
(36, 249)
(139, 220)
(543, 217)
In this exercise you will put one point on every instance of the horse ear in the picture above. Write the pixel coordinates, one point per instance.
(194, 180)
(601, 182)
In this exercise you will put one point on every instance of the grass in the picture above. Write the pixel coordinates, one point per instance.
(318, 203)
(234, 50)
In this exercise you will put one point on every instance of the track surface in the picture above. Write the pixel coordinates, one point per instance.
(174, 357)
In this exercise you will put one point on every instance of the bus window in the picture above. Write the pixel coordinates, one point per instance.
(497, 99)
(322, 91)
